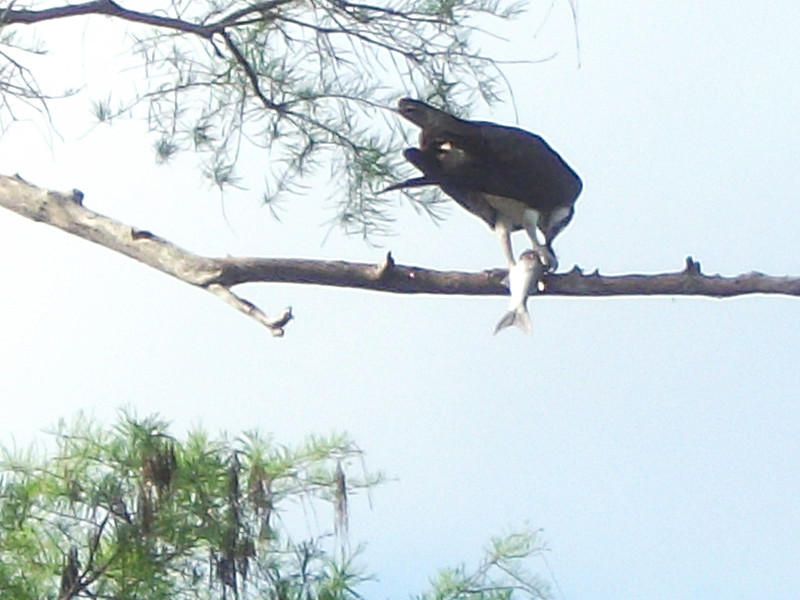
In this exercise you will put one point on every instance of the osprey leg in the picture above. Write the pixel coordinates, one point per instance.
(503, 231)
(530, 220)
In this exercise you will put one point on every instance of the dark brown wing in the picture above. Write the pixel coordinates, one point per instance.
(433, 174)
(518, 164)
(410, 183)
(495, 159)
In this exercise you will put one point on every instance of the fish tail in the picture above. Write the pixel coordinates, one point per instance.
(519, 317)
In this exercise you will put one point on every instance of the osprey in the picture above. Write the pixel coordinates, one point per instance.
(510, 178)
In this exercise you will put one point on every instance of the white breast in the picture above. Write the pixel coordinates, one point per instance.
(512, 210)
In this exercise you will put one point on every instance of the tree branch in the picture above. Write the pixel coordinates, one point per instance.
(315, 66)
(102, 7)
(218, 275)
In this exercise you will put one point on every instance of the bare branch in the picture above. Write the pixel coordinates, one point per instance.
(275, 325)
(218, 275)
(418, 280)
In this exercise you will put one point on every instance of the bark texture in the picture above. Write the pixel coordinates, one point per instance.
(219, 275)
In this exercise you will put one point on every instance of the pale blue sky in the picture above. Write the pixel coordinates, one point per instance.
(656, 440)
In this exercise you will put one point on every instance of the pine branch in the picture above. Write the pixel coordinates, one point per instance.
(108, 8)
(304, 80)
(219, 275)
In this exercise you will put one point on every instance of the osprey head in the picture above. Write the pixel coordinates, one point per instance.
(415, 111)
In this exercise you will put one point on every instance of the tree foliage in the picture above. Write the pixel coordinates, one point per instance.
(131, 512)
(310, 82)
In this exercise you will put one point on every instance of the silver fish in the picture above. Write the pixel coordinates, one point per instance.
(528, 268)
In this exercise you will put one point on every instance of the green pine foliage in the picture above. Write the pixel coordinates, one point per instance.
(295, 86)
(129, 512)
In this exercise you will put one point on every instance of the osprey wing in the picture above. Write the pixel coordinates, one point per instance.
(447, 178)
(495, 159)
(514, 163)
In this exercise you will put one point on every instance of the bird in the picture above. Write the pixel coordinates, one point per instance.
(510, 178)
(528, 268)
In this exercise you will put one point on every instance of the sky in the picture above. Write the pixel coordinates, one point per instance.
(655, 441)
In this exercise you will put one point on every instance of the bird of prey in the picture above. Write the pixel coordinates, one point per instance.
(510, 178)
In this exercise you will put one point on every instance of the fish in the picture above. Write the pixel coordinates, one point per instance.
(529, 267)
